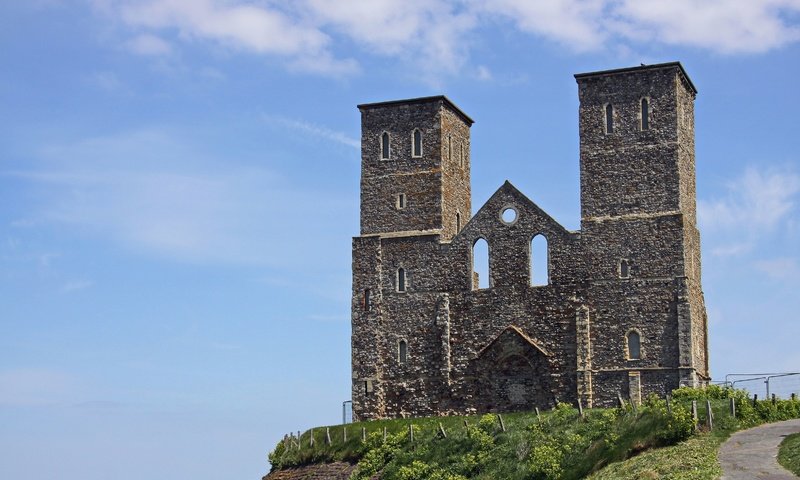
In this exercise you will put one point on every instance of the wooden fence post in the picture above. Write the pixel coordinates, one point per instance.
(363, 434)
(311, 438)
(441, 430)
(621, 401)
(411, 432)
(580, 408)
(344, 434)
(328, 435)
(502, 425)
(733, 407)
(709, 415)
(538, 415)
(694, 414)
(669, 405)
(384, 434)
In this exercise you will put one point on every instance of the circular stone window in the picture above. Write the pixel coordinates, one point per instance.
(508, 215)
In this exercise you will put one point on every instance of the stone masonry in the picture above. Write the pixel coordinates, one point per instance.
(622, 312)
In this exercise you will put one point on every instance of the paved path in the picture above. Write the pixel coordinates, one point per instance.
(753, 453)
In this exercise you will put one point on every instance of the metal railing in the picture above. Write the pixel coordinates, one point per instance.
(787, 382)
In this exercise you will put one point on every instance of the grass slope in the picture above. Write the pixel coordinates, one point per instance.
(615, 444)
(789, 453)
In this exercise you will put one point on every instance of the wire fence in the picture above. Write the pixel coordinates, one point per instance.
(780, 384)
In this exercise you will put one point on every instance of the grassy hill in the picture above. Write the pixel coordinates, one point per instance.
(613, 443)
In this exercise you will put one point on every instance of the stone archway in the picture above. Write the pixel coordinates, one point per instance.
(513, 374)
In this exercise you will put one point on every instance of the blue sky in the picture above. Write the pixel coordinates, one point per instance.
(179, 187)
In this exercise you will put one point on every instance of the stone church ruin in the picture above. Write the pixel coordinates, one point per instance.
(621, 311)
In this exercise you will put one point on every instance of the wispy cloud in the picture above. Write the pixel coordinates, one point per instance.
(436, 36)
(148, 44)
(36, 386)
(779, 268)
(756, 203)
(152, 191)
(76, 285)
(313, 130)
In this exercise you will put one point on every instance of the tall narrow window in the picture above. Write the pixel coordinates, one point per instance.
(609, 118)
(624, 269)
(401, 201)
(417, 143)
(540, 261)
(634, 346)
(385, 146)
(461, 155)
(367, 300)
(449, 147)
(458, 222)
(645, 114)
(480, 264)
(402, 351)
(401, 280)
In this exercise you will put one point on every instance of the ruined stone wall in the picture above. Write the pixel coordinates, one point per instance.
(323, 471)
(442, 345)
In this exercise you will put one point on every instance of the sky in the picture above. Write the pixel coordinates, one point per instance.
(179, 189)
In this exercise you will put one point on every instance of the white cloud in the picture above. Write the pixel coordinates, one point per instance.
(434, 37)
(253, 28)
(147, 44)
(574, 23)
(755, 204)
(725, 26)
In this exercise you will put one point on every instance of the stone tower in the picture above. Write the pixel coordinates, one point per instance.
(638, 212)
(414, 167)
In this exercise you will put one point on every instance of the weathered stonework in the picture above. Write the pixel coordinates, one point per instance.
(427, 341)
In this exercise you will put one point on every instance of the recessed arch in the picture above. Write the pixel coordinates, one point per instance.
(416, 143)
(480, 264)
(402, 351)
(644, 114)
(386, 146)
(540, 261)
(609, 118)
(402, 281)
(633, 344)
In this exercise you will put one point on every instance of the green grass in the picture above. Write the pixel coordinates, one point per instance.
(789, 453)
(694, 459)
(620, 444)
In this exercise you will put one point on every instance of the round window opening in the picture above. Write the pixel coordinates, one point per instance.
(508, 216)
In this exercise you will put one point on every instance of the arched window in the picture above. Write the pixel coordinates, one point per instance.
(401, 280)
(402, 351)
(385, 146)
(624, 269)
(540, 261)
(634, 345)
(645, 114)
(609, 118)
(417, 140)
(480, 264)
(458, 222)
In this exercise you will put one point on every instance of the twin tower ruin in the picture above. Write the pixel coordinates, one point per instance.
(621, 311)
